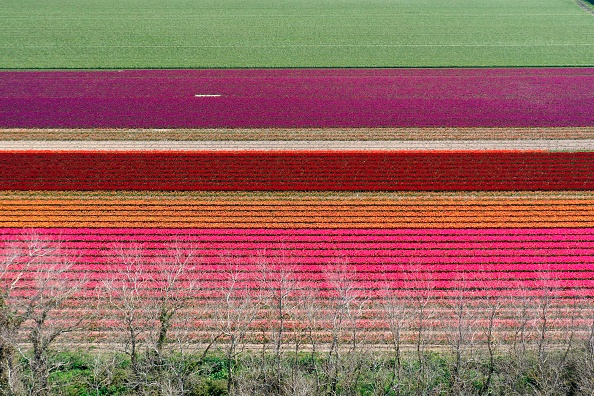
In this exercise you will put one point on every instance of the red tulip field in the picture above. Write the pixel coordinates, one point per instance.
(305, 171)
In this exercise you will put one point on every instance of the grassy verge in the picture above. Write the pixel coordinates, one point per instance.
(362, 373)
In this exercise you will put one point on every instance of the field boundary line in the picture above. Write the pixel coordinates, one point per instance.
(549, 145)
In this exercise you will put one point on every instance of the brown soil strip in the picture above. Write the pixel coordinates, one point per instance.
(264, 197)
(301, 134)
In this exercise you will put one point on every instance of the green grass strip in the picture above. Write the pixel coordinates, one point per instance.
(293, 33)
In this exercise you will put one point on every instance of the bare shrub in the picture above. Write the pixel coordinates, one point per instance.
(347, 339)
(37, 284)
(460, 331)
(146, 294)
(396, 314)
(235, 310)
(280, 293)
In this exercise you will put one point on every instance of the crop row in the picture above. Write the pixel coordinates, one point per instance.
(316, 208)
(403, 278)
(419, 269)
(437, 290)
(327, 199)
(388, 261)
(98, 222)
(435, 332)
(299, 201)
(263, 212)
(303, 245)
(420, 251)
(566, 145)
(181, 235)
(391, 171)
(306, 246)
(109, 323)
(484, 247)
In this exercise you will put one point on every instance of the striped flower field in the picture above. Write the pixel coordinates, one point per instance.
(426, 190)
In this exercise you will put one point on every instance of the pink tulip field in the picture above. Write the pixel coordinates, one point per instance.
(315, 267)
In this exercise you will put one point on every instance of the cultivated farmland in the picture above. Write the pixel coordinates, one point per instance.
(294, 33)
(297, 98)
(314, 226)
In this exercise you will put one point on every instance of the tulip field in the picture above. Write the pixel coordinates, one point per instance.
(416, 186)
(317, 171)
(345, 190)
(298, 98)
(509, 267)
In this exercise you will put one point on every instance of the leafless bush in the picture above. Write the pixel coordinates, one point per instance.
(235, 311)
(347, 338)
(585, 361)
(490, 306)
(102, 370)
(396, 314)
(37, 283)
(423, 297)
(280, 291)
(460, 332)
(553, 350)
(146, 304)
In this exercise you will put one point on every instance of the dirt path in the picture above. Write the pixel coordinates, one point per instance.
(300, 134)
(369, 145)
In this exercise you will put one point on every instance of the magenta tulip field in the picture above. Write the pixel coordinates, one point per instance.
(490, 261)
(290, 98)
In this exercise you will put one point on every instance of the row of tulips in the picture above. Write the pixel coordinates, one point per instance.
(419, 270)
(366, 280)
(341, 171)
(180, 235)
(387, 262)
(486, 246)
(438, 291)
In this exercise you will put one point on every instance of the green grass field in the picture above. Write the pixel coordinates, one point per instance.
(293, 33)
